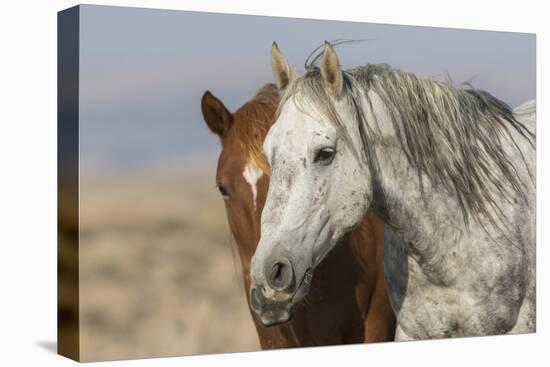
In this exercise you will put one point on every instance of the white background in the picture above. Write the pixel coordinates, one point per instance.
(28, 181)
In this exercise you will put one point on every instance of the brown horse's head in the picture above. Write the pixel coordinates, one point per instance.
(242, 173)
(243, 179)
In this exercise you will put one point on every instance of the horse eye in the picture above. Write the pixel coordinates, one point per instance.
(223, 191)
(325, 155)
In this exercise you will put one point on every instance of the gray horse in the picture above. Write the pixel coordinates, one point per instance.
(450, 169)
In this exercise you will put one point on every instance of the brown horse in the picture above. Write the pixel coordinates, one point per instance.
(348, 302)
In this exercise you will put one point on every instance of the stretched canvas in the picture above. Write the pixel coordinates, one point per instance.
(232, 183)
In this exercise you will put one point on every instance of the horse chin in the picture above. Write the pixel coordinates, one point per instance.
(273, 318)
(274, 313)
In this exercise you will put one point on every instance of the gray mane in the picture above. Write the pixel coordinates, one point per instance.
(453, 134)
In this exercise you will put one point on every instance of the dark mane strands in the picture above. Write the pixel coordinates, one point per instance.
(463, 125)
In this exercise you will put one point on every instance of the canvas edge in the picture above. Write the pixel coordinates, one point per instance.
(68, 305)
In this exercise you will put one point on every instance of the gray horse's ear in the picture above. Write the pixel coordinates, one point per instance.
(216, 115)
(331, 71)
(283, 73)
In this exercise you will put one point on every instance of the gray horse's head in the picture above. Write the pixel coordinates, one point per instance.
(318, 190)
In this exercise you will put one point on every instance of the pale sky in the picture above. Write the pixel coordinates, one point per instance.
(143, 72)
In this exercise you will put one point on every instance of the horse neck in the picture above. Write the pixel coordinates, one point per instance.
(398, 198)
(421, 216)
(424, 215)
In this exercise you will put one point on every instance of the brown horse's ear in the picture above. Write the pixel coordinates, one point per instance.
(331, 72)
(217, 116)
(283, 73)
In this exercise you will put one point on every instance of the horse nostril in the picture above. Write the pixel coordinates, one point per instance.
(281, 276)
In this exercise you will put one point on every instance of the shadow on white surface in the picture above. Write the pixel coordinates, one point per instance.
(48, 345)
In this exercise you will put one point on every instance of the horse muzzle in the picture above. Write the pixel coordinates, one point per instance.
(276, 293)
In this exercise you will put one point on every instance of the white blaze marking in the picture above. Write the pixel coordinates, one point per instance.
(252, 174)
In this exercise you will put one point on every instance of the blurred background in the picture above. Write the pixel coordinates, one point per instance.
(159, 274)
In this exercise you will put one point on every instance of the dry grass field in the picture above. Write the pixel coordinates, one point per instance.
(159, 275)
